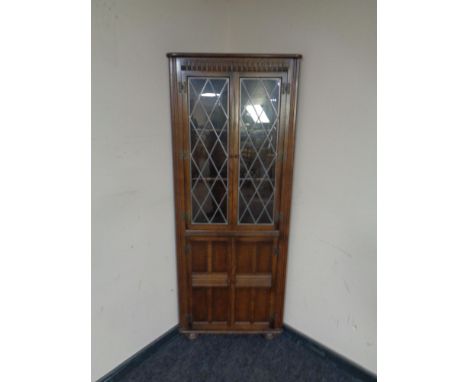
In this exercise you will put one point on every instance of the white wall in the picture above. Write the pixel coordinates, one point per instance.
(134, 289)
(331, 287)
(331, 279)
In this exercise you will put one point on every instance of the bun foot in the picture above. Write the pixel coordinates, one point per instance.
(192, 336)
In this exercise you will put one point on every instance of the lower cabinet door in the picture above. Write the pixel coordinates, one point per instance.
(253, 283)
(209, 279)
(231, 283)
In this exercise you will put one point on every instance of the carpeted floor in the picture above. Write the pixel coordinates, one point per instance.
(243, 358)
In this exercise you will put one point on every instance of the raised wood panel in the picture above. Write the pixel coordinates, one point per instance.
(220, 256)
(264, 257)
(220, 304)
(199, 252)
(209, 280)
(245, 256)
(261, 305)
(242, 305)
(200, 304)
(254, 281)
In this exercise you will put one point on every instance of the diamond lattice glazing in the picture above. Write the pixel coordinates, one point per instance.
(258, 126)
(208, 119)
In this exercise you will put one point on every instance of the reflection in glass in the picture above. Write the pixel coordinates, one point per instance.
(208, 118)
(258, 126)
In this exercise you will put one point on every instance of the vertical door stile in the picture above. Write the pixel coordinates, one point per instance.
(231, 162)
(234, 154)
(281, 151)
(185, 149)
(209, 291)
(186, 209)
(228, 148)
(252, 290)
(232, 283)
(188, 256)
(274, 261)
(233, 202)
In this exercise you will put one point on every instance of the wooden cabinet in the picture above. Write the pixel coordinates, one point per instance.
(233, 129)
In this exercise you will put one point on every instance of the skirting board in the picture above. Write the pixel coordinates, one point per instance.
(132, 362)
(354, 370)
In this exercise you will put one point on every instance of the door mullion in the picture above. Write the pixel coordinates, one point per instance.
(252, 290)
(234, 147)
(232, 283)
(274, 284)
(209, 291)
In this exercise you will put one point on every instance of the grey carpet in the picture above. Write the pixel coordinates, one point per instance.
(235, 358)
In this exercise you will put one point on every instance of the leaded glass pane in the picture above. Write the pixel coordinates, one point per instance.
(208, 119)
(259, 125)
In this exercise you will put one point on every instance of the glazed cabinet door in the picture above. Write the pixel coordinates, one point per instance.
(260, 139)
(208, 139)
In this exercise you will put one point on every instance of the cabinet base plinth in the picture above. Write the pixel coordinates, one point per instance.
(268, 334)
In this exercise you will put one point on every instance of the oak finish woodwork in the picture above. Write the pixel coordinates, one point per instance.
(231, 277)
(257, 280)
(209, 280)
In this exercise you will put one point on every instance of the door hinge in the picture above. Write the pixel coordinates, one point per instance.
(279, 217)
(272, 320)
(187, 248)
(183, 155)
(182, 86)
(189, 320)
(185, 216)
(276, 251)
(285, 88)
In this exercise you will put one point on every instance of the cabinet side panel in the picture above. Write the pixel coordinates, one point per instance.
(286, 192)
(178, 190)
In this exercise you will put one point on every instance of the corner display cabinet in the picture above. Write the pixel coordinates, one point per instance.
(233, 130)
